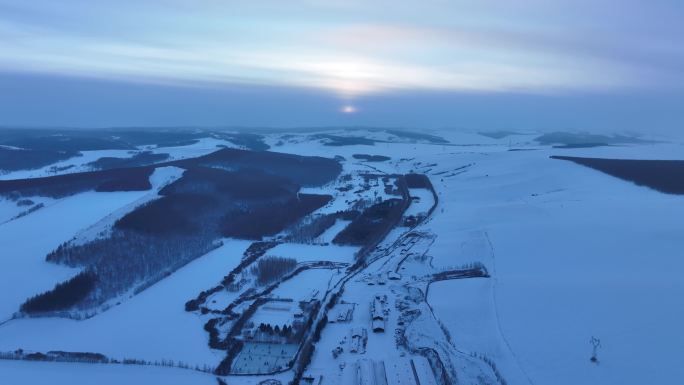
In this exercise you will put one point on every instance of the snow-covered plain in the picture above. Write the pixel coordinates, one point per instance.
(576, 253)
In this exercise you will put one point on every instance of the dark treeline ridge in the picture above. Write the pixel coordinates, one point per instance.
(666, 176)
(418, 136)
(168, 215)
(239, 184)
(191, 215)
(371, 158)
(244, 204)
(372, 221)
(303, 170)
(13, 160)
(144, 158)
(64, 295)
(120, 138)
(338, 141)
(300, 170)
(269, 219)
(58, 186)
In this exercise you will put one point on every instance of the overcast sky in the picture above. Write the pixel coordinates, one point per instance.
(564, 64)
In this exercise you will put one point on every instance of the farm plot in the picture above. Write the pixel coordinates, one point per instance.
(308, 253)
(306, 286)
(263, 358)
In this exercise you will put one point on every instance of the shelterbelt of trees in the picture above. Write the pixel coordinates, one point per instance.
(229, 193)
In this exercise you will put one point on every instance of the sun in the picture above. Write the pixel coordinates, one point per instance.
(349, 109)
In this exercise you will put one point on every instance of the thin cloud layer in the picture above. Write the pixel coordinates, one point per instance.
(353, 48)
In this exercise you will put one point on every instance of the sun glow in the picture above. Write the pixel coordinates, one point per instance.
(348, 109)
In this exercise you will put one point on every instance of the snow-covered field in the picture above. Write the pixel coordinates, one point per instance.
(27, 240)
(576, 254)
(421, 202)
(152, 325)
(307, 285)
(307, 253)
(58, 373)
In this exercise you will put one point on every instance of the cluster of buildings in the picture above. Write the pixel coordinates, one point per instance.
(405, 371)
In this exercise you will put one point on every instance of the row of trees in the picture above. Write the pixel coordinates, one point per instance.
(96, 358)
(124, 260)
(307, 230)
(270, 269)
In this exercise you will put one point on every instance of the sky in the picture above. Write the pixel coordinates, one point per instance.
(613, 65)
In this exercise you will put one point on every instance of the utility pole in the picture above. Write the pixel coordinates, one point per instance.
(595, 343)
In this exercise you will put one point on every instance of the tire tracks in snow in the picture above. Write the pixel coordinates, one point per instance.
(495, 281)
